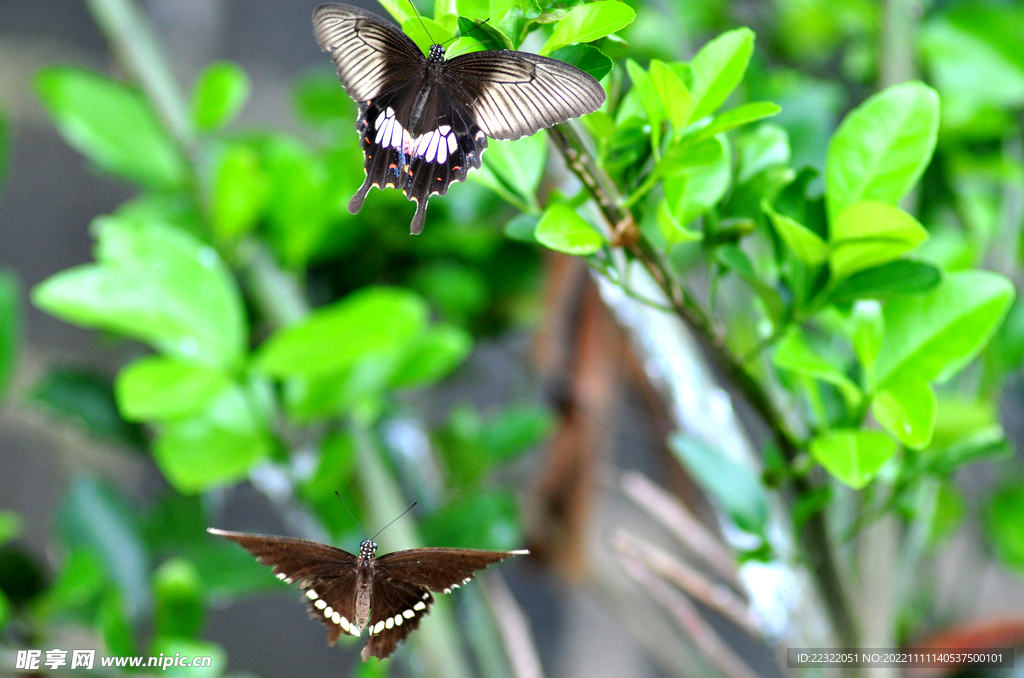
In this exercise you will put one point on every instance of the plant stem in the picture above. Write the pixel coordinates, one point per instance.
(814, 536)
(277, 295)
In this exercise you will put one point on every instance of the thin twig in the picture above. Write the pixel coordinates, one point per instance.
(514, 628)
(716, 596)
(710, 644)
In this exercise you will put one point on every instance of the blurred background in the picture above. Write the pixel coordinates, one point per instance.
(542, 420)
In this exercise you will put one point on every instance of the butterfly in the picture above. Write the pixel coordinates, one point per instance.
(387, 595)
(424, 121)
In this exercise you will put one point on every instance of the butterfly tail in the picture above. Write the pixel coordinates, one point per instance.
(356, 203)
(420, 218)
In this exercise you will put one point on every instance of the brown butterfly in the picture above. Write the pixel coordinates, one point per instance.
(387, 595)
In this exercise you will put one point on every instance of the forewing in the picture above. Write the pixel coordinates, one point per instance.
(438, 569)
(370, 55)
(514, 94)
(325, 574)
(396, 609)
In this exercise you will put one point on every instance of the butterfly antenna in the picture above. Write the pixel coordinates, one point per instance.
(477, 25)
(350, 514)
(432, 42)
(393, 521)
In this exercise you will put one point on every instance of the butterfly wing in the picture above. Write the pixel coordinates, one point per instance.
(371, 55)
(402, 584)
(326, 574)
(514, 94)
(397, 607)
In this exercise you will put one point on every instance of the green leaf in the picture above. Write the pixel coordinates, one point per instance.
(765, 147)
(299, 206)
(949, 512)
(743, 114)
(157, 388)
(96, 519)
(115, 626)
(10, 526)
(515, 430)
(219, 446)
(174, 647)
(675, 97)
(906, 409)
(87, 400)
(400, 10)
(371, 322)
(718, 68)
(588, 22)
(562, 230)
(178, 592)
(734, 485)
(220, 93)
(239, 193)
(80, 581)
(10, 323)
(519, 163)
(464, 45)
(437, 33)
(335, 468)
(868, 331)
(931, 337)
(695, 190)
(521, 229)
(853, 456)
(794, 354)
(672, 229)
(866, 234)
(156, 284)
(438, 351)
(486, 34)
(112, 125)
(882, 147)
(587, 58)
(900, 277)
(802, 241)
(649, 99)
(1005, 523)
(459, 292)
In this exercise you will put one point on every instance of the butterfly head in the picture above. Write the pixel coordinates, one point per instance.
(436, 54)
(367, 549)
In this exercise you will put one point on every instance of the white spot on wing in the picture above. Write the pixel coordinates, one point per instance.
(442, 150)
(320, 604)
(399, 619)
(409, 614)
(419, 606)
(390, 624)
(312, 595)
(336, 618)
(328, 612)
(453, 144)
(379, 627)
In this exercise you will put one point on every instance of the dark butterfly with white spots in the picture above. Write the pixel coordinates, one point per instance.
(386, 595)
(424, 121)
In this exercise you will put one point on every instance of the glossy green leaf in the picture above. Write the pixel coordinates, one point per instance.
(734, 485)
(744, 114)
(521, 229)
(587, 58)
(906, 409)
(114, 625)
(1005, 525)
(672, 229)
(178, 593)
(158, 388)
(79, 582)
(220, 93)
(400, 10)
(464, 45)
(94, 518)
(588, 22)
(718, 68)
(866, 234)
(298, 204)
(156, 284)
(931, 337)
(868, 331)
(899, 277)
(438, 351)
(484, 33)
(853, 457)
(519, 163)
(413, 27)
(373, 321)
(239, 192)
(10, 327)
(794, 354)
(675, 98)
(802, 241)
(762, 148)
(649, 99)
(562, 230)
(112, 125)
(695, 190)
(882, 147)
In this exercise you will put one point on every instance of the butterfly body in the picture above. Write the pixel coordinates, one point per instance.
(424, 121)
(387, 596)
